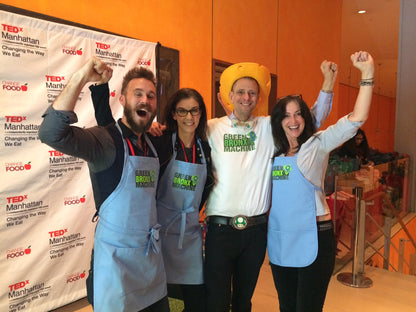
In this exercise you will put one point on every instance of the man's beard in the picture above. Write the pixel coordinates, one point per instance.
(136, 127)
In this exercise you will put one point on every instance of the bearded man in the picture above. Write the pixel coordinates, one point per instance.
(128, 271)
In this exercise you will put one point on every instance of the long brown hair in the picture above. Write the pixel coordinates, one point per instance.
(277, 116)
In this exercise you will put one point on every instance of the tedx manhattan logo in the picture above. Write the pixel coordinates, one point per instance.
(11, 28)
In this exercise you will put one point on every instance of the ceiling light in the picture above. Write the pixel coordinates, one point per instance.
(361, 11)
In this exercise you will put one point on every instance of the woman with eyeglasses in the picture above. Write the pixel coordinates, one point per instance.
(301, 242)
(185, 180)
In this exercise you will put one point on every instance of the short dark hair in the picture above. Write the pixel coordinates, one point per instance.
(183, 94)
(277, 116)
(137, 72)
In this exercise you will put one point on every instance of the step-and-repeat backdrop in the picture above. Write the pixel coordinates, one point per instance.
(46, 201)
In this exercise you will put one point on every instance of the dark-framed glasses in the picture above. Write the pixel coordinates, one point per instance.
(183, 112)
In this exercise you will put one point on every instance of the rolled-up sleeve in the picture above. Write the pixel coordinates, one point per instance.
(94, 144)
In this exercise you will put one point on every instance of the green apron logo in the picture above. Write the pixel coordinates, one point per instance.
(281, 172)
(240, 142)
(185, 182)
(145, 178)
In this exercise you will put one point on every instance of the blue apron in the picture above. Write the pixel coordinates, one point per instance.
(178, 199)
(292, 239)
(128, 266)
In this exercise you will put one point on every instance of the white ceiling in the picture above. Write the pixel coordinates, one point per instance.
(377, 32)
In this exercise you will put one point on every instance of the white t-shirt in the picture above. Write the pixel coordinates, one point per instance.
(242, 166)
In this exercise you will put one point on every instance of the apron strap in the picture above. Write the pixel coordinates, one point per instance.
(153, 239)
(181, 214)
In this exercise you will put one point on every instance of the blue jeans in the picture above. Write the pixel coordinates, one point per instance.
(304, 289)
(233, 256)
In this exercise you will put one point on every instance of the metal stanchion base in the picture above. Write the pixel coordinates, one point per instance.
(360, 280)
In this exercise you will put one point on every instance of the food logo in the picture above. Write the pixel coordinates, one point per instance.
(14, 86)
(71, 50)
(18, 166)
(74, 200)
(18, 252)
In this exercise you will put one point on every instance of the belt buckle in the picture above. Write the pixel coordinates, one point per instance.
(239, 222)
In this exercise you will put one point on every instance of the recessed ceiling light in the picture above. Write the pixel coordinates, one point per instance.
(362, 11)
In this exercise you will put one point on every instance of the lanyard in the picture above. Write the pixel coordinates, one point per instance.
(184, 152)
(132, 149)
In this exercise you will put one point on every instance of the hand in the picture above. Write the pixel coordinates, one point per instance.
(329, 70)
(106, 75)
(95, 70)
(156, 129)
(364, 62)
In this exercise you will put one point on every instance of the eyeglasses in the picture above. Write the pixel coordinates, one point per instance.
(183, 112)
(291, 96)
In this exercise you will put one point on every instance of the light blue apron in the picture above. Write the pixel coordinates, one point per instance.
(178, 199)
(292, 239)
(128, 266)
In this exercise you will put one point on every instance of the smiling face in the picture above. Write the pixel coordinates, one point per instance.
(293, 123)
(139, 102)
(187, 124)
(244, 95)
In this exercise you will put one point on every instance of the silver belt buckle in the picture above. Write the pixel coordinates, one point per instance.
(239, 222)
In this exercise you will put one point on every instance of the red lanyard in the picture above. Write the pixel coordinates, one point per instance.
(132, 149)
(193, 152)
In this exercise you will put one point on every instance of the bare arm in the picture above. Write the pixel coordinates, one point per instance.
(329, 70)
(93, 70)
(364, 62)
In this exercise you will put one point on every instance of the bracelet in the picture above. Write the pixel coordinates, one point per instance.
(367, 82)
(327, 91)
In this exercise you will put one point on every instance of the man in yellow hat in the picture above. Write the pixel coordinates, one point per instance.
(242, 150)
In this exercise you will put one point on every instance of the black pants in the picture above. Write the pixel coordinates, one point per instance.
(192, 295)
(304, 289)
(159, 306)
(194, 298)
(233, 256)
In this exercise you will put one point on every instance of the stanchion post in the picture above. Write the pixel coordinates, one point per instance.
(387, 241)
(357, 277)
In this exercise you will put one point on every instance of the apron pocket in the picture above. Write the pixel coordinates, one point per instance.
(292, 248)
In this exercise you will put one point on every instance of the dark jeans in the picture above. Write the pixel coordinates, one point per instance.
(159, 306)
(304, 289)
(237, 256)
